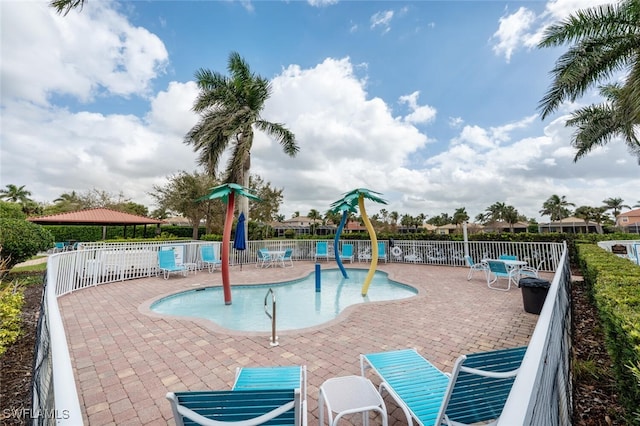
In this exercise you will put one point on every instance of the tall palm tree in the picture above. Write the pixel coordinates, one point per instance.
(615, 204)
(230, 109)
(606, 40)
(556, 208)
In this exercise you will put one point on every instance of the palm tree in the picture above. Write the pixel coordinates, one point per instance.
(614, 204)
(347, 209)
(556, 208)
(350, 199)
(606, 39)
(15, 194)
(314, 215)
(229, 109)
(64, 6)
(596, 125)
(227, 192)
(585, 213)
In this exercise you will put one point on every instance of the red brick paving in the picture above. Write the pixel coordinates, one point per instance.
(126, 358)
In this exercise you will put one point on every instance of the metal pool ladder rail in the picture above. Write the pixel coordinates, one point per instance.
(272, 316)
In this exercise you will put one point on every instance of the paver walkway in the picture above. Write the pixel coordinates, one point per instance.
(126, 358)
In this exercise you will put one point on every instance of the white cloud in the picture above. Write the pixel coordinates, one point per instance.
(321, 3)
(513, 32)
(524, 28)
(82, 54)
(382, 19)
(419, 113)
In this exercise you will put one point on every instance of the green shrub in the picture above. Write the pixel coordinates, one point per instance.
(11, 210)
(11, 301)
(20, 240)
(614, 287)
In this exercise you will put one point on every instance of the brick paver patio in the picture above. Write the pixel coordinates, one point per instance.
(126, 358)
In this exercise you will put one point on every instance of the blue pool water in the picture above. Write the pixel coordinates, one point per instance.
(298, 304)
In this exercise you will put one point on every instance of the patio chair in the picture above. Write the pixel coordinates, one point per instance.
(264, 259)
(286, 257)
(321, 251)
(508, 257)
(347, 252)
(412, 381)
(498, 269)
(238, 407)
(382, 251)
(473, 267)
(167, 264)
(476, 390)
(530, 271)
(208, 256)
(278, 377)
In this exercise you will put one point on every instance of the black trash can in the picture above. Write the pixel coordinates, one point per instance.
(534, 292)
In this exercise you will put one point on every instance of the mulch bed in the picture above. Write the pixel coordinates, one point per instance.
(595, 399)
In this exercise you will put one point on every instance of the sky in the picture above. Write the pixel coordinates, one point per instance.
(433, 104)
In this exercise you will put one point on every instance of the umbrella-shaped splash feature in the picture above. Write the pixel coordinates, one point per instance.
(228, 192)
(240, 239)
(358, 195)
(345, 208)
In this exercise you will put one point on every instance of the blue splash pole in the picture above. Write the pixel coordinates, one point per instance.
(317, 278)
(335, 243)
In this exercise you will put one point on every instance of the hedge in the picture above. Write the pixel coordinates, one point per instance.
(614, 286)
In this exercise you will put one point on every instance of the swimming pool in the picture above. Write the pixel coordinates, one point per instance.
(298, 304)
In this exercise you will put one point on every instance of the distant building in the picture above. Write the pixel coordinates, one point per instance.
(502, 226)
(629, 221)
(570, 225)
(302, 225)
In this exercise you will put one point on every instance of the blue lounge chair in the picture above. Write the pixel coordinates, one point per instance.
(278, 393)
(413, 382)
(347, 252)
(167, 264)
(287, 257)
(264, 258)
(382, 252)
(498, 269)
(262, 378)
(208, 256)
(479, 387)
(322, 252)
(476, 390)
(237, 408)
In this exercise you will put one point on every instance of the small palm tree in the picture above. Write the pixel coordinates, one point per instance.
(346, 209)
(358, 196)
(227, 193)
(556, 208)
(615, 204)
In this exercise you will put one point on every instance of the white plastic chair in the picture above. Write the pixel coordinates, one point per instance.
(473, 267)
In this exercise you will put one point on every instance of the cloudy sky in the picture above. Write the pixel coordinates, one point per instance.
(431, 103)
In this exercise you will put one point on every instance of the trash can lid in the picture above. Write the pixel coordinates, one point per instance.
(533, 282)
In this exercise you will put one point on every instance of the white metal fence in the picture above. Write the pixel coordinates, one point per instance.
(54, 390)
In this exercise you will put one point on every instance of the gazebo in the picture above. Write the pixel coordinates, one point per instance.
(97, 217)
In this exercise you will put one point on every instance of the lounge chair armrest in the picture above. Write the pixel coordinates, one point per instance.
(493, 374)
(192, 415)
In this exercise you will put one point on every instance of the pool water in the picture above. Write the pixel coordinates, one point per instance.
(297, 302)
